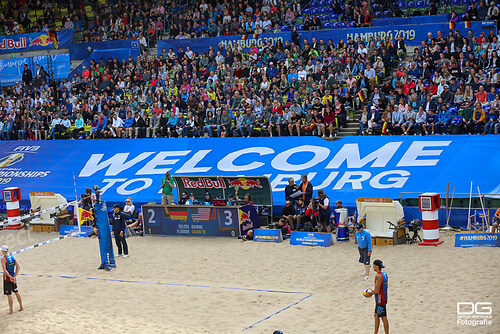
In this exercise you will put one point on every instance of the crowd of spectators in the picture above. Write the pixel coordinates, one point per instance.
(449, 85)
(98, 20)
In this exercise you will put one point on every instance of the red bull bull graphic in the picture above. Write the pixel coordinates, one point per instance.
(244, 183)
(42, 40)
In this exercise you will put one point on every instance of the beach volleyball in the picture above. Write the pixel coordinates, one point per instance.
(366, 293)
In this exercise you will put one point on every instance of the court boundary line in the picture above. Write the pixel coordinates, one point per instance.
(308, 294)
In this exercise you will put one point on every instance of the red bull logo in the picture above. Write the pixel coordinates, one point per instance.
(8, 43)
(244, 183)
(42, 40)
(245, 217)
(85, 215)
(204, 182)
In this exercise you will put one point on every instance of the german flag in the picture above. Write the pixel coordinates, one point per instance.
(361, 96)
(384, 128)
(53, 37)
(177, 213)
(244, 37)
(452, 25)
(467, 24)
(255, 36)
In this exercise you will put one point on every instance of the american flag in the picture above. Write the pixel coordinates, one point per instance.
(202, 214)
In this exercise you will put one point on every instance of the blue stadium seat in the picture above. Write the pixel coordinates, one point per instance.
(419, 4)
(321, 3)
(336, 25)
(411, 4)
(464, 2)
(329, 2)
(352, 23)
(315, 11)
(307, 11)
(323, 11)
(486, 110)
(300, 27)
(377, 14)
(402, 4)
(344, 24)
(334, 17)
(284, 28)
(327, 25)
(461, 16)
(455, 2)
(386, 14)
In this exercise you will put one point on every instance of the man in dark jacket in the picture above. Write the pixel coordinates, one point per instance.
(119, 224)
(27, 75)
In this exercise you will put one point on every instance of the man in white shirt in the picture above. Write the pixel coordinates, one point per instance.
(302, 74)
(117, 126)
(266, 24)
(54, 124)
(370, 74)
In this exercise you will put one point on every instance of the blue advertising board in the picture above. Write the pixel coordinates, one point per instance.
(97, 55)
(35, 41)
(348, 168)
(79, 51)
(477, 240)
(397, 21)
(201, 45)
(266, 235)
(194, 220)
(311, 239)
(11, 70)
(413, 34)
(68, 229)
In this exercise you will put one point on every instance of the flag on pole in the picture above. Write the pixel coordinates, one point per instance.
(452, 25)
(384, 128)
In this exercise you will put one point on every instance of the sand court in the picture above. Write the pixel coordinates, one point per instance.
(425, 283)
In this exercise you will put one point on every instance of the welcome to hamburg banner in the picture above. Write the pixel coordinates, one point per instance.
(352, 167)
(35, 41)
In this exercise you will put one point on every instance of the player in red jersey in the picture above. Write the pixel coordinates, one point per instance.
(380, 292)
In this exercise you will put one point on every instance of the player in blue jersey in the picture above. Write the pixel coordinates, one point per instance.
(380, 292)
(10, 269)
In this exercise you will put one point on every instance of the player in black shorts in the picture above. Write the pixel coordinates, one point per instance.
(10, 268)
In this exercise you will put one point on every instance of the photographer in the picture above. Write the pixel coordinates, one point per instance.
(283, 226)
(312, 213)
(324, 212)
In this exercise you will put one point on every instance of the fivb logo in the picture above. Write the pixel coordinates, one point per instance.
(474, 314)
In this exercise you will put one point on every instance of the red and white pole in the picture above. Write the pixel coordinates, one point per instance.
(11, 197)
(429, 204)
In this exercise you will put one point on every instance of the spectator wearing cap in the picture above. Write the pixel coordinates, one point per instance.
(364, 240)
(119, 225)
(129, 207)
(373, 119)
(191, 200)
(208, 199)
